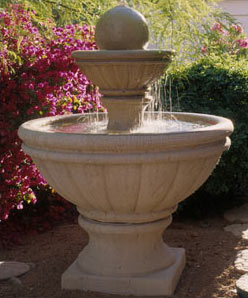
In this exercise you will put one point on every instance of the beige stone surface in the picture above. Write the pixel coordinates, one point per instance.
(122, 69)
(162, 282)
(239, 230)
(126, 259)
(123, 78)
(242, 286)
(122, 28)
(241, 261)
(10, 269)
(124, 249)
(128, 169)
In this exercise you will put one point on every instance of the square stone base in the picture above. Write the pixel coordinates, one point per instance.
(158, 283)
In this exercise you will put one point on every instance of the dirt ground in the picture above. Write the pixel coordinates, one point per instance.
(209, 271)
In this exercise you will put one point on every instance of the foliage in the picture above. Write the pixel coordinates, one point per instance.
(177, 24)
(37, 78)
(219, 86)
(63, 12)
(182, 25)
(225, 39)
(49, 211)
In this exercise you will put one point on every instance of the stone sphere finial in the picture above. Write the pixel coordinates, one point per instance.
(122, 28)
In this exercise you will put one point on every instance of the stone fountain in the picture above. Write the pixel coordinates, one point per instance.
(125, 183)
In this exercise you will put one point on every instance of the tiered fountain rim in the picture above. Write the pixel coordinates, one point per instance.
(212, 123)
(112, 55)
(34, 135)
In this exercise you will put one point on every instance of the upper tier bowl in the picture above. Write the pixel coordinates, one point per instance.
(123, 72)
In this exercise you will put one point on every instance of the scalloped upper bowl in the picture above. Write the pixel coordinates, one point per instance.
(123, 70)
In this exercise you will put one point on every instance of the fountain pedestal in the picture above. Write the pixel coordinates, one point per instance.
(126, 259)
(125, 113)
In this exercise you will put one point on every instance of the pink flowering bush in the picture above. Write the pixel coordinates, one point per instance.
(226, 39)
(37, 78)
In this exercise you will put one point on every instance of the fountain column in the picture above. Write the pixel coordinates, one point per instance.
(126, 259)
(129, 256)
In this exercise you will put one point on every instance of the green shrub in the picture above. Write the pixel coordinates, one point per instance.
(219, 86)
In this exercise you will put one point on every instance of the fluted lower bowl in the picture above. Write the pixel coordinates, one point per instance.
(132, 178)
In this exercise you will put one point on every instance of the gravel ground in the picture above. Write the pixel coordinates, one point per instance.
(209, 271)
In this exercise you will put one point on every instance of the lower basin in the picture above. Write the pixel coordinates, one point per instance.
(126, 177)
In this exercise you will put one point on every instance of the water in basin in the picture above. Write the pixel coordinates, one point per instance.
(97, 124)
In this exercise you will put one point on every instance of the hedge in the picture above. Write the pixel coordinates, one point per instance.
(219, 86)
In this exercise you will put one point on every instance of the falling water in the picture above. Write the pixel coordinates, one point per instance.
(154, 122)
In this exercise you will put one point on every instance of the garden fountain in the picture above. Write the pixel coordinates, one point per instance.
(125, 181)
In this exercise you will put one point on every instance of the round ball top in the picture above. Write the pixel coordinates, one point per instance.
(121, 28)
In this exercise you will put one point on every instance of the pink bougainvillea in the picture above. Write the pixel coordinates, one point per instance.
(37, 78)
(226, 39)
(237, 28)
(243, 43)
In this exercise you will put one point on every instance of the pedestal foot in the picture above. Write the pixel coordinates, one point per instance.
(158, 283)
(126, 259)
